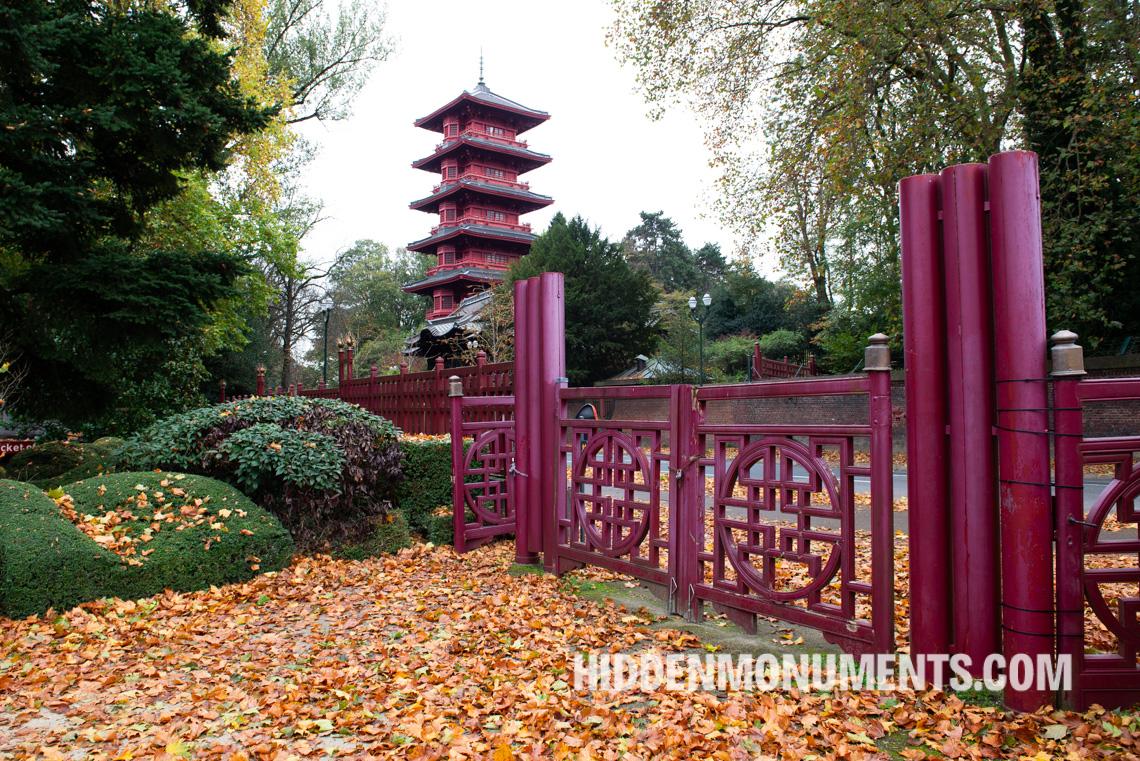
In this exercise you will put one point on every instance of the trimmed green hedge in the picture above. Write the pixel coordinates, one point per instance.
(426, 485)
(390, 534)
(47, 562)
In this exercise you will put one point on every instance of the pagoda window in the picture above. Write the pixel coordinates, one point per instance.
(494, 171)
(495, 258)
(496, 216)
(451, 130)
(447, 215)
(447, 301)
(446, 255)
(450, 172)
(497, 131)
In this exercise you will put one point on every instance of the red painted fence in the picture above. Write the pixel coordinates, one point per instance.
(415, 402)
(765, 367)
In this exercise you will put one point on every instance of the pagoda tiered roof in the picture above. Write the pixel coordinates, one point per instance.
(517, 198)
(456, 274)
(470, 229)
(522, 158)
(481, 99)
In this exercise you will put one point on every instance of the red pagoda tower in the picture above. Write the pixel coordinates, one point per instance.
(479, 199)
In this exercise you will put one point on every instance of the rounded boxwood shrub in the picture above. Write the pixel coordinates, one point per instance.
(146, 532)
(323, 466)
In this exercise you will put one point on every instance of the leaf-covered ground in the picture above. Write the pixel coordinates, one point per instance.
(430, 655)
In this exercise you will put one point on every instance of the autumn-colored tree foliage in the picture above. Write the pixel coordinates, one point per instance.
(815, 109)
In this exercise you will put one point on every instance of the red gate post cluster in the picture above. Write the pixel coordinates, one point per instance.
(540, 367)
(974, 318)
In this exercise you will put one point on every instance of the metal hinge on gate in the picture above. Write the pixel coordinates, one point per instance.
(514, 470)
(1083, 523)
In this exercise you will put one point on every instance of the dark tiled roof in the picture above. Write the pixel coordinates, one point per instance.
(486, 187)
(465, 316)
(465, 273)
(479, 231)
(527, 155)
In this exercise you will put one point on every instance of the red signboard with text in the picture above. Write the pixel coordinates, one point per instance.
(11, 446)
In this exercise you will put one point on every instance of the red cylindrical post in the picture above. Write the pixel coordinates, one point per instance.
(553, 345)
(261, 380)
(340, 361)
(523, 417)
(924, 348)
(535, 465)
(1068, 423)
(222, 391)
(969, 361)
(877, 363)
(373, 402)
(458, 508)
(686, 499)
(1024, 491)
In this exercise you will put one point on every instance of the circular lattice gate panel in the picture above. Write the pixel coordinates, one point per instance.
(487, 465)
(611, 492)
(781, 562)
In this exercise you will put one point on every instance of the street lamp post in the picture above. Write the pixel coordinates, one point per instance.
(700, 317)
(325, 351)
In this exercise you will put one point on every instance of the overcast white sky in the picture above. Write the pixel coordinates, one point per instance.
(610, 160)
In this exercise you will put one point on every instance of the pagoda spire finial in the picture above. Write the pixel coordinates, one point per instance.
(481, 67)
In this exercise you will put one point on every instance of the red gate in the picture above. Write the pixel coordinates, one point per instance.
(611, 506)
(1098, 607)
(776, 533)
(483, 472)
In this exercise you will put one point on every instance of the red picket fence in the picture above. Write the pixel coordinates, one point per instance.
(415, 402)
(765, 367)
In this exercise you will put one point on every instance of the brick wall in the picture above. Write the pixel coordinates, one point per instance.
(1101, 419)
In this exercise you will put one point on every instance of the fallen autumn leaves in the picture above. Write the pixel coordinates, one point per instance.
(429, 655)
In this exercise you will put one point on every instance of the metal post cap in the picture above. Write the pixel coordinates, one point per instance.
(1067, 355)
(877, 355)
(455, 386)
